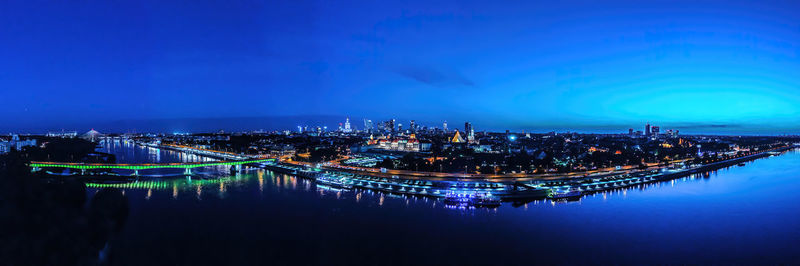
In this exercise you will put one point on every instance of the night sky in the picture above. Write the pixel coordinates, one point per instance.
(701, 66)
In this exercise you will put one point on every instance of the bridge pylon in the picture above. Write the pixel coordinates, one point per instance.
(188, 171)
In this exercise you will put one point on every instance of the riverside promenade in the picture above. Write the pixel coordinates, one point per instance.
(515, 187)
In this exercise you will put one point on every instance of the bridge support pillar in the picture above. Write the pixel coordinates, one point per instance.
(83, 171)
(35, 169)
(136, 172)
(238, 168)
(188, 171)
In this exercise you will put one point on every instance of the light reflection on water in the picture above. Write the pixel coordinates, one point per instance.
(737, 215)
(270, 182)
(219, 180)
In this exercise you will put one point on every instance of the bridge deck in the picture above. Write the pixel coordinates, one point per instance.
(88, 166)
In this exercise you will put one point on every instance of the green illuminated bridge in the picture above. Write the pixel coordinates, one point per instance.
(36, 166)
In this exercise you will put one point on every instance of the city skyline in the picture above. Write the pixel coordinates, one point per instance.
(338, 123)
(536, 66)
(383, 126)
(351, 132)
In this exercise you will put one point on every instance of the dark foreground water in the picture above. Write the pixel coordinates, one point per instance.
(739, 215)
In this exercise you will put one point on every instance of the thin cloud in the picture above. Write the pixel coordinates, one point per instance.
(433, 77)
(706, 126)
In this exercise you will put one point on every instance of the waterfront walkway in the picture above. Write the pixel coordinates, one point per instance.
(522, 177)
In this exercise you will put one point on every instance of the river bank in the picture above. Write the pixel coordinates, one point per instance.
(507, 189)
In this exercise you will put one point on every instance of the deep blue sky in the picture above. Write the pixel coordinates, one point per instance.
(703, 66)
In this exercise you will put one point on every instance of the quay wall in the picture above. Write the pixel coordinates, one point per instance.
(722, 164)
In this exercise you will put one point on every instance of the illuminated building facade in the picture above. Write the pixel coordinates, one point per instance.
(62, 134)
(347, 128)
(409, 145)
(469, 131)
(367, 125)
(457, 138)
(15, 143)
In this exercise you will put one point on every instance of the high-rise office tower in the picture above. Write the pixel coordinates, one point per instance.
(347, 128)
(368, 125)
(469, 131)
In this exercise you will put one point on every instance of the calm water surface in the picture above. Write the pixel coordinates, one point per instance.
(745, 215)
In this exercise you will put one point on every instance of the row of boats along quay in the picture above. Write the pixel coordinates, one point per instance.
(452, 189)
(489, 192)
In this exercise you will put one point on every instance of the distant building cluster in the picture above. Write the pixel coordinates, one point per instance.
(413, 146)
(387, 127)
(63, 134)
(410, 144)
(278, 150)
(653, 132)
(346, 128)
(15, 143)
(403, 145)
(202, 138)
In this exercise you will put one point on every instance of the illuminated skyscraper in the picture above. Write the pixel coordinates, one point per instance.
(444, 126)
(388, 125)
(507, 141)
(469, 131)
(381, 126)
(347, 128)
(647, 129)
(368, 125)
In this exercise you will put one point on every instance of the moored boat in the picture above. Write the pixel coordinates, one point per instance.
(564, 194)
(472, 199)
(333, 181)
(457, 198)
(485, 200)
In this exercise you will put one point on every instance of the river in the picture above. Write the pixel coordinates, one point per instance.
(742, 214)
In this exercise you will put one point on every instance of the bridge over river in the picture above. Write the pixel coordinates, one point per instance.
(37, 166)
